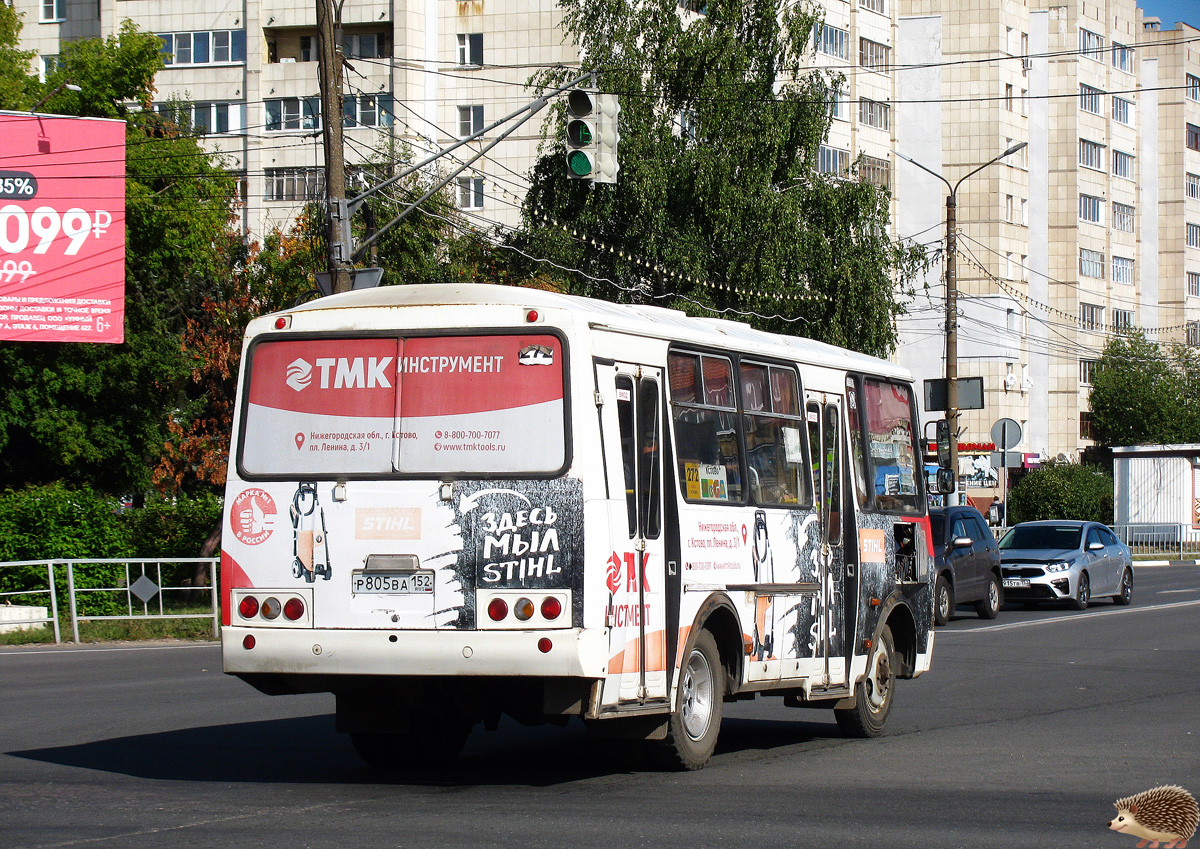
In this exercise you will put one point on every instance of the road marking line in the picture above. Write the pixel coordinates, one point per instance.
(1168, 592)
(18, 652)
(1082, 617)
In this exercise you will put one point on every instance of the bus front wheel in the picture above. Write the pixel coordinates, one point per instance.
(873, 694)
(696, 720)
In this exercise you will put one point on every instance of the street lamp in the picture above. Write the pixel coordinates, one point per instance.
(952, 302)
(58, 88)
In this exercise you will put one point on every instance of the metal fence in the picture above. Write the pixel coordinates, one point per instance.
(140, 591)
(1148, 541)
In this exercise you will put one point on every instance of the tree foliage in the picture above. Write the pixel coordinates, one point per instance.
(1145, 393)
(719, 205)
(1062, 491)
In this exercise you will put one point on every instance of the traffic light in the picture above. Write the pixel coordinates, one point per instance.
(592, 136)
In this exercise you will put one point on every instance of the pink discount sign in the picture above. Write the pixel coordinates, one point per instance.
(62, 229)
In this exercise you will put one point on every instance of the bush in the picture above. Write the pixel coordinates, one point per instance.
(1063, 491)
(57, 522)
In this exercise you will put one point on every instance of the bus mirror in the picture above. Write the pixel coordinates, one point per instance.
(943, 444)
(945, 481)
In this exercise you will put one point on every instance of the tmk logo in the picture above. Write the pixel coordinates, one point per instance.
(347, 373)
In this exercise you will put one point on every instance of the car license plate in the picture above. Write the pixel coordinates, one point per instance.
(396, 583)
(1016, 583)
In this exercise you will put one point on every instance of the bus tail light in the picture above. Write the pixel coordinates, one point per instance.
(248, 607)
(523, 609)
(293, 609)
(551, 608)
(497, 609)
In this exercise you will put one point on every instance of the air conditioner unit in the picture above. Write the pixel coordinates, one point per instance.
(1026, 65)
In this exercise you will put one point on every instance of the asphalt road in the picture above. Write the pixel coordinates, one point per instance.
(1023, 733)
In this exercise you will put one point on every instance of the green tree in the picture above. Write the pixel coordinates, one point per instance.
(719, 205)
(1062, 491)
(1145, 393)
(18, 90)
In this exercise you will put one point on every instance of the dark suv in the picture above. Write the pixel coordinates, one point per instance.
(967, 563)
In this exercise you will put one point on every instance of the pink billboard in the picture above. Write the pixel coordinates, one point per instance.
(62, 229)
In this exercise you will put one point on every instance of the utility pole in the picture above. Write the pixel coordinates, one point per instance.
(952, 302)
(337, 217)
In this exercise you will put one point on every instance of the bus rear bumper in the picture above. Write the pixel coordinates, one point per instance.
(574, 653)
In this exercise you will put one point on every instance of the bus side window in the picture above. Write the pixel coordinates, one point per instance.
(706, 430)
(649, 476)
(628, 448)
(833, 473)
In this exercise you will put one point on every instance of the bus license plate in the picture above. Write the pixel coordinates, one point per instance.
(1016, 583)
(399, 583)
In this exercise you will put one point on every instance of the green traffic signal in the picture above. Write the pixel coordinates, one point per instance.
(579, 133)
(579, 163)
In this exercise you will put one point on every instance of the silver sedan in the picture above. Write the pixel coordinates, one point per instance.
(1065, 561)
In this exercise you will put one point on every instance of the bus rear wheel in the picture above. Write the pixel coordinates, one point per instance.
(873, 694)
(696, 720)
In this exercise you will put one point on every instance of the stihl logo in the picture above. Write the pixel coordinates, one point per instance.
(341, 373)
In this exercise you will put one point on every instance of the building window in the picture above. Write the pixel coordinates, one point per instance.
(697, 7)
(1091, 209)
(1091, 264)
(1122, 110)
(1091, 154)
(838, 106)
(689, 125)
(874, 114)
(872, 54)
(1024, 212)
(365, 45)
(830, 160)
(1122, 164)
(1010, 207)
(53, 10)
(1122, 321)
(1091, 45)
(1193, 333)
(1089, 98)
(1122, 217)
(1122, 57)
(203, 118)
(47, 67)
(1193, 137)
(1091, 317)
(1192, 87)
(367, 110)
(470, 121)
(1085, 425)
(831, 41)
(1008, 97)
(1193, 284)
(1087, 368)
(308, 48)
(470, 193)
(293, 113)
(1191, 186)
(470, 48)
(218, 47)
(1193, 235)
(876, 171)
(873, 5)
(296, 184)
(1122, 270)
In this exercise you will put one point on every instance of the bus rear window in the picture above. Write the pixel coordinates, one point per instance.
(437, 405)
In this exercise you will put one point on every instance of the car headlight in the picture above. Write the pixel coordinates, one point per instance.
(1058, 566)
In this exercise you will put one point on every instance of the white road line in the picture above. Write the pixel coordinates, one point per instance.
(18, 652)
(1168, 592)
(1079, 617)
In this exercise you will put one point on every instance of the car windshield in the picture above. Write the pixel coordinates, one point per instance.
(1042, 536)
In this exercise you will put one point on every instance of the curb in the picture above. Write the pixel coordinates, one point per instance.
(1166, 563)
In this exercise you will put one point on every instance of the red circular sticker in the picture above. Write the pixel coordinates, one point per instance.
(252, 516)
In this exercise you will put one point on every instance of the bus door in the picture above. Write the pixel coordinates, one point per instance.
(636, 579)
(823, 414)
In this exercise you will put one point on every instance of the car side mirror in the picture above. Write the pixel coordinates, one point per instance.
(963, 542)
(1095, 546)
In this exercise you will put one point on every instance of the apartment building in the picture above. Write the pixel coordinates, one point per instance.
(420, 75)
(1079, 236)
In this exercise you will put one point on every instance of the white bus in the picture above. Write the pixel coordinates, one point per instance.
(448, 503)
